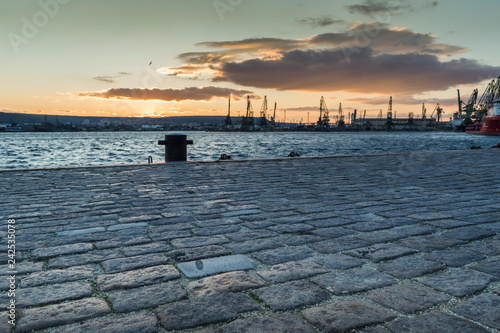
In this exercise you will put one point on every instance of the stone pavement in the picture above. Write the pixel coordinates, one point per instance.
(382, 243)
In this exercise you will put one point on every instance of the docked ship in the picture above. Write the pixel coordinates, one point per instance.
(490, 125)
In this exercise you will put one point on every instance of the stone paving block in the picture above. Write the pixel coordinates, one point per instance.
(189, 254)
(331, 222)
(431, 216)
(242, 212)
(137, 278)
(489, 267)
(346, 316)
(484, 308)
(408, 298)
(206, 267)
(122, 241)
(455, 257)
(469, 233)
(54, 293)
(130, 263)
(410, 267)
(141, 323)
(254, 245)
(381, 252)
(61, 314)
(489, 247)
(24, 267)
(145, 249)
(339, 261)
(291, 228)
(427, 323)
(291, 295)
(83, 238)
(117, 227)
(198, 241)
(169, 235)
(339, 245)
(204, 310)
(333, 232)
(80, 232)
(227, 282)
(54, 276)
(368, 226)
(282, 255)
(217, 230)
(297, 240)
(460, 283)
(4, 323)
(146, 297)
(291, 271)
(353, 281)
(401, 233)
(281, 323)
(139, 219)
(257, 224)
(83, 259)
(249, 235)
(430, 243)
(448, 224)
(47, 252)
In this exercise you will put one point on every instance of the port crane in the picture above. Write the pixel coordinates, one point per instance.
(273, 118)
(477, 108)
(389, 125)
(263, 114)
(424, 112)
(324, 114)
(438, 111)
(248, 122)
(228, 123)
(341, 121)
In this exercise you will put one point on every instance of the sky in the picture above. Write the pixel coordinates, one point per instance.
(179, 58)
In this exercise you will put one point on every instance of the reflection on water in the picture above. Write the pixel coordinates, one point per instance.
(35, 150)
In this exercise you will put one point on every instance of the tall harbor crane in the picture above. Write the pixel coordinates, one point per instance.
(424, 112)
(263, 114)
(341, 121)
(324, 114)
(228, 123)
(389, 125)
(438, 111)
(273, 118)
(248, 122)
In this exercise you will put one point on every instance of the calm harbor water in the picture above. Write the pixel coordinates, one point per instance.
(38, 150)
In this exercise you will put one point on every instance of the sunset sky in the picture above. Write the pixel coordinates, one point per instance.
(171, 57)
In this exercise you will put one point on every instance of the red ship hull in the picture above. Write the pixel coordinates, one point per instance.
(490, 126)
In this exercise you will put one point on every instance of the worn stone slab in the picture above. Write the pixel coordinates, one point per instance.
(122, 241)
(61, 314)
(198, 241)
(291, 228)
(189, 254)
(206, 267)
(489, 267)
(131, 251)
(369, 226)
(381, 252)
(146, 297)
(484, 308)
(408, 298)
(69, 233)
(448, 223)
(455, 257)
(339, 261)
(427, 323)
(81, 238)
(460, 283)
(227, 282)
(353, 281)
(282, 323)
(489, 247)
(83, 259)
(141, 323)
(130, 263)
(250, 235)
(393, 235)
(169, 235)
(254, 245)
(410, 267)
(4, 324)
(127, 226)
(47, 252)
(55, 276)
(331, 222)
(291, 295)
(216, 230)
(282, 255)
(137, 278)
(430, 216)
(333, 232)
(54, 293)
(204, 310)
(297, 240)
(469, 233)
(289, 271)
(242, 212)
(339, 245)
(24, 267)
(346, 316)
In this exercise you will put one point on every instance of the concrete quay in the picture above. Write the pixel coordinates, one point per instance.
(379, 243)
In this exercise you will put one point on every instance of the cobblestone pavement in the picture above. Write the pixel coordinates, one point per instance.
(383, 243)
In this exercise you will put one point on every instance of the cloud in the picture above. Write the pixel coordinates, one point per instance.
(318, 22)
(405, 100)
(364, 71)
(111, 78)
(379, 7)
(192, 94)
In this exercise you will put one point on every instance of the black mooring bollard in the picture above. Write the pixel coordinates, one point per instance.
(175, 147)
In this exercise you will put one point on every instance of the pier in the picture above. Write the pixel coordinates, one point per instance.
(373, 243)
